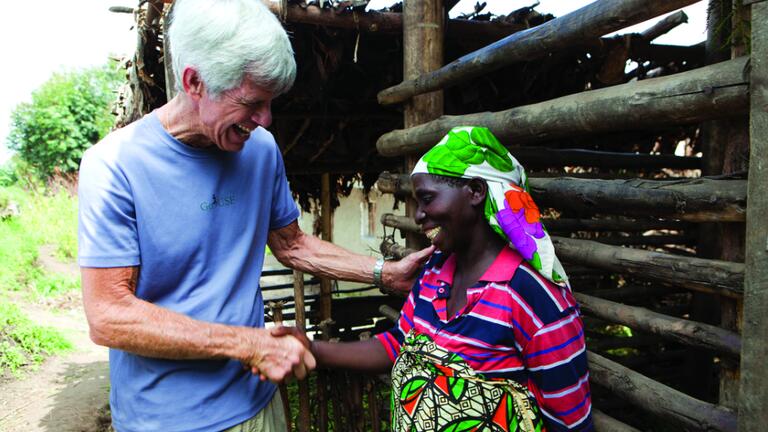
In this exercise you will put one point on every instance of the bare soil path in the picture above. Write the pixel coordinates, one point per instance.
(67, 393)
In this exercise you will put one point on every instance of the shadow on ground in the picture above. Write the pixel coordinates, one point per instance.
(81, 404)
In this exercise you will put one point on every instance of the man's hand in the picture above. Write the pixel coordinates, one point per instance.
(400, 275)
(278, 358)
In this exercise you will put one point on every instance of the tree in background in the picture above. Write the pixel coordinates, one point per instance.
(68, 113)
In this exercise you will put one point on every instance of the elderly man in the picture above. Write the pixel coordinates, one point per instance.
(175, 212)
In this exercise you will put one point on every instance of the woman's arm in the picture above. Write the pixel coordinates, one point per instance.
(365, 356)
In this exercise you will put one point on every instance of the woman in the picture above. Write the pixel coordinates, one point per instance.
(490, 337)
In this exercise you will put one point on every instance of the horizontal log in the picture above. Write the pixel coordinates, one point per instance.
(664, 26)
(407, 224)
(721, 277)
(627, 292)
(707, 93)
(606, 423)
(590, 22)
(615, 342)
(389, 22)
(686, 332)
(540, 157)
(613, 224)
(658, 399)
(693, 200)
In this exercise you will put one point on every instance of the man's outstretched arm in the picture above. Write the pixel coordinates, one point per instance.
(301, 251)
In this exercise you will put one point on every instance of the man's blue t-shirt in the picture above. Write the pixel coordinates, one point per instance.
(196, 222)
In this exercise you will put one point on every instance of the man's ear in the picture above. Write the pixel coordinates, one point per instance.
(193, 83)
(478, 190)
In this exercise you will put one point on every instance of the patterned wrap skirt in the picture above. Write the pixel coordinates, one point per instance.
(436, 390)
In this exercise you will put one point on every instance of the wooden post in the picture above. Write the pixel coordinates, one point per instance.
(298, 295)
(706, 93)
(325, 298)
(326, 215)
(422, 52)
(753, 396)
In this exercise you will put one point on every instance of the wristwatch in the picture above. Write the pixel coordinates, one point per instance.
(377, 270)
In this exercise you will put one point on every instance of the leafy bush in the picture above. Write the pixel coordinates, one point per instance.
(67, 114)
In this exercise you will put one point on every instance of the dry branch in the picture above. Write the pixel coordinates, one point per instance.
(590, 22)
(701, 94)
(658, 399)
(699, 274)
(687, 332)
(664, 26)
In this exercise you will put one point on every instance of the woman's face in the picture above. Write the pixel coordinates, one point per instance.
(444, 212)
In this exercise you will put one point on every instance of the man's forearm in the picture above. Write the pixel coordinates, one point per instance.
(118, 319)
(152, 331)
(325, 259)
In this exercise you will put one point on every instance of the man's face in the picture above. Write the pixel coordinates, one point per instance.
(228, 120)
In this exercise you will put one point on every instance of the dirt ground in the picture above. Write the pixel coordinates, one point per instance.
(67, 393)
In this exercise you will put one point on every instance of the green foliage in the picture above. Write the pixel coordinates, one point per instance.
(67, 114)
(22, 343)
(45, 218)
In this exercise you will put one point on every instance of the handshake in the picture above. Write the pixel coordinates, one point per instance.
(278, 354)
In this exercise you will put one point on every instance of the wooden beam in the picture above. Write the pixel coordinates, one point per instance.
(658, 399)
(679, 330)
(326, 215)
(753, 396)
(590, 22)
(408, 225)
(689, 97)
(541, 157)
(664, 26)
(613, 224)
(389, 23)
(699, 274)
(303, 421)
(605, 423)
(694, 200)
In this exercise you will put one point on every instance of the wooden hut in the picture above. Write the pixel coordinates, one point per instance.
(666, 253)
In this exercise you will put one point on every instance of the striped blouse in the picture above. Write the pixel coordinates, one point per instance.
(515, 325)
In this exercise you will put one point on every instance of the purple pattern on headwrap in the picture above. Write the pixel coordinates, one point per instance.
(519, 231)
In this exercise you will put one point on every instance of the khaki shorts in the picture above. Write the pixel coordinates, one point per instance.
(270, 419)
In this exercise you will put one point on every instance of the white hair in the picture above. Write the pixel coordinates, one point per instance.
(227, 40)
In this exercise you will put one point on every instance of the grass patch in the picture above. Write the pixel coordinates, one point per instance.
(23, 343)
(42, 218)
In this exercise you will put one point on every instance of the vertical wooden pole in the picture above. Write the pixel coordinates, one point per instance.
(298, 295)
(718, 140)
(423, 23)
(326, 215)
(325, 297)
(753, 396)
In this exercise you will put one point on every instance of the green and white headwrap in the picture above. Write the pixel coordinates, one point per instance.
(470, 151)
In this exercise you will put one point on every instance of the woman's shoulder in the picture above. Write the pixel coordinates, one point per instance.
(548, 301)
